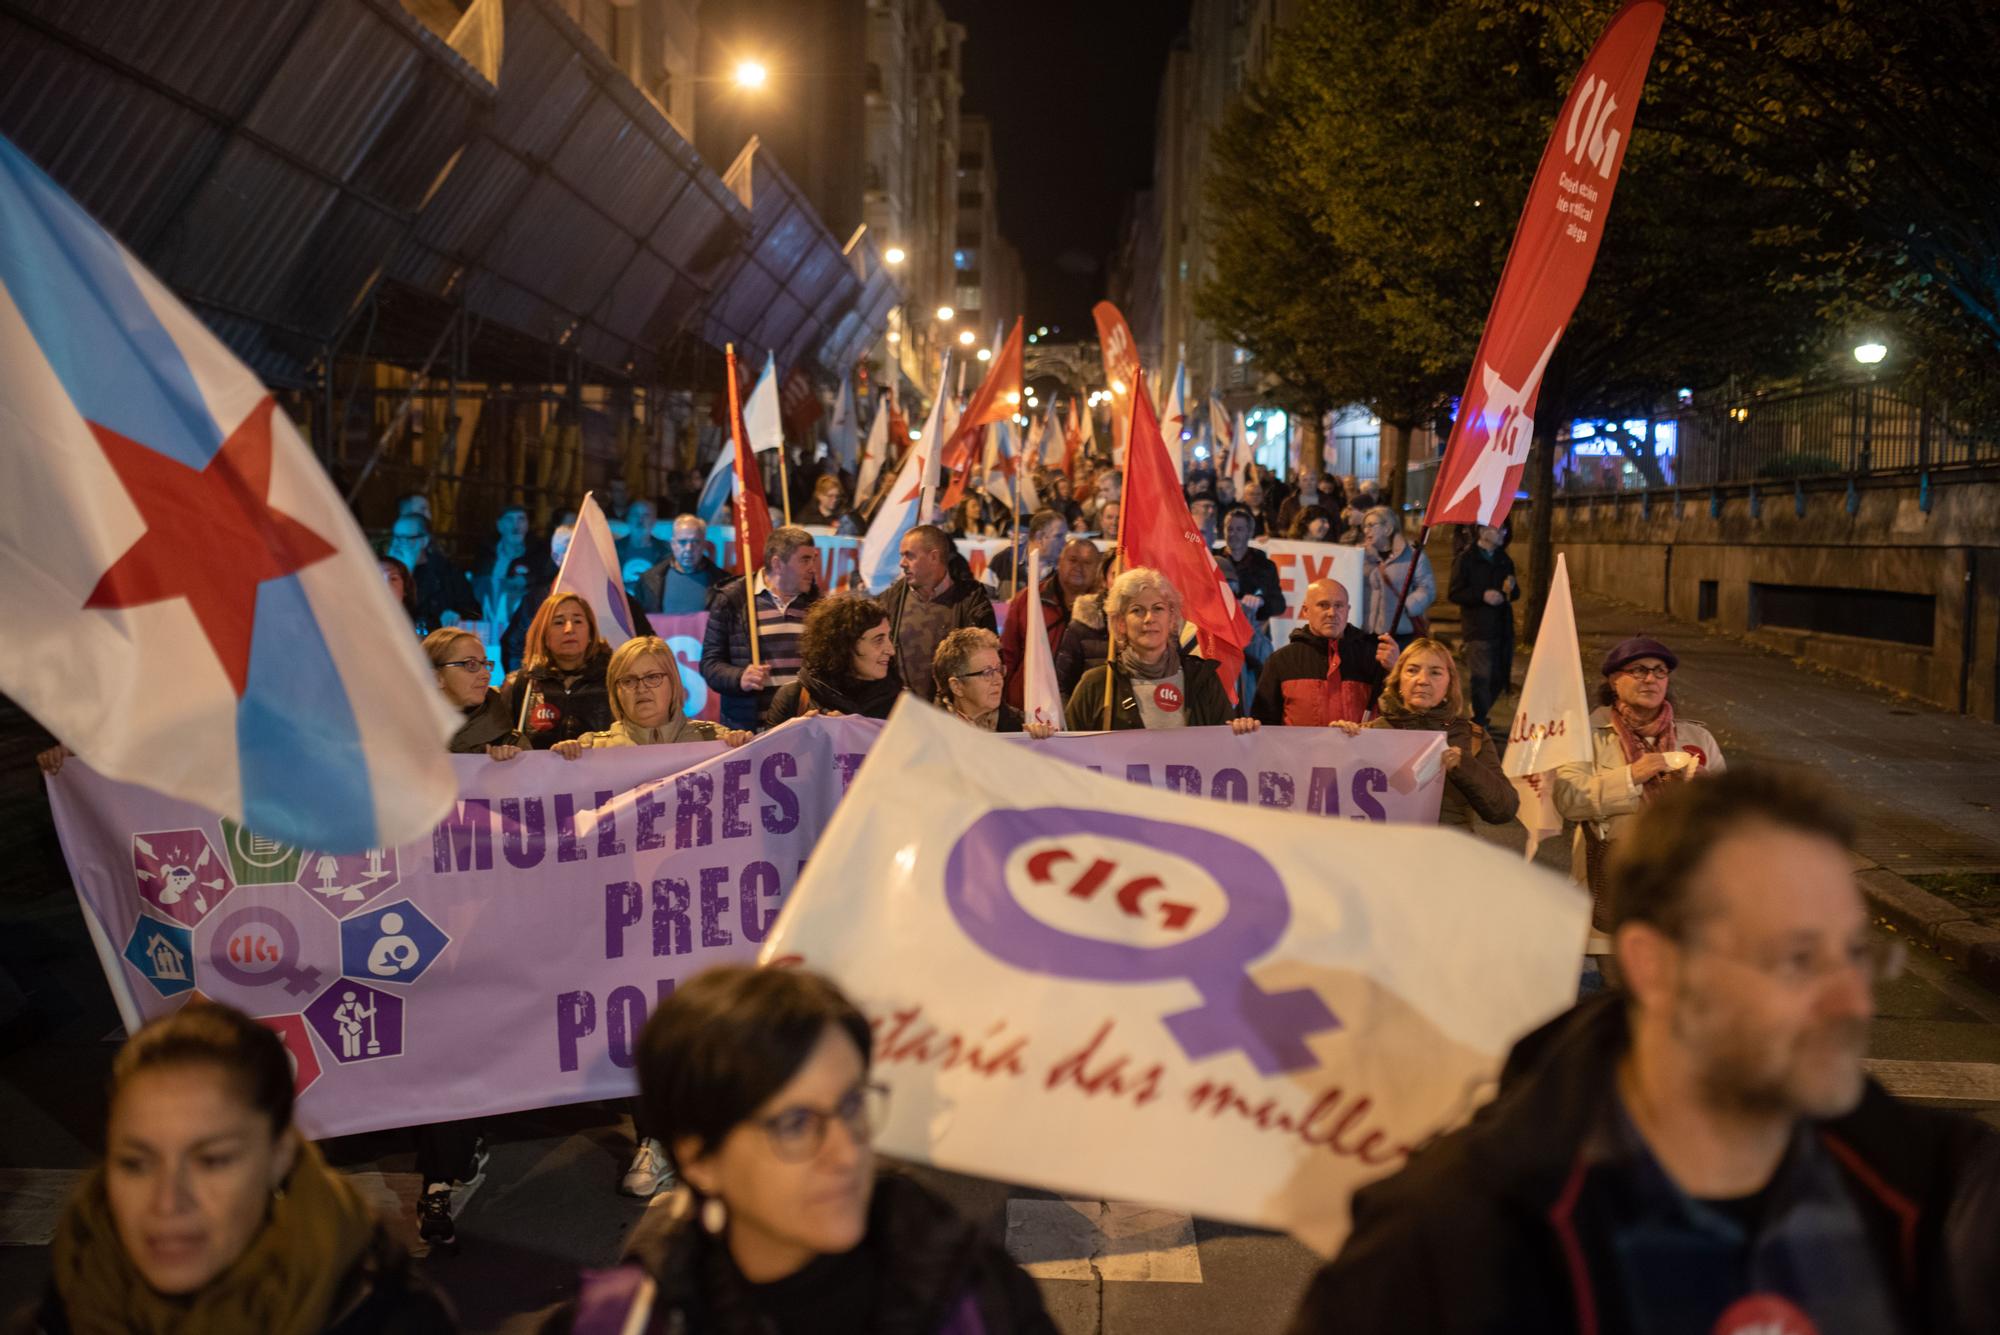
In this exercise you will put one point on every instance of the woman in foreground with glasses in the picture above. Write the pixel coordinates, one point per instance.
(759, 1080)
(970, 682)
(1638, 748)
(647, 704)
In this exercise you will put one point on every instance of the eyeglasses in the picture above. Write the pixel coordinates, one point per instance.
(476, 664)
(798, 1133)
(984, 674)
(652, 681)
(1648, 673)
(1876, 959)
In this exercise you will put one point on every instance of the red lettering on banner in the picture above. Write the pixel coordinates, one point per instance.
(1524, 731)
(1317, 567)
(907, 1037)
(1109, 1077)
(1217, 1097)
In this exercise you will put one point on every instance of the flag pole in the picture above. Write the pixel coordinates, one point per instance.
(784, 478)
(1118, 547)
(742, 545)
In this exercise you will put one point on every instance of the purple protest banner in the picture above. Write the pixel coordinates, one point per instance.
(510, 960)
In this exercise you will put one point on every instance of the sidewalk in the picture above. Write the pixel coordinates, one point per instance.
(1925, 783)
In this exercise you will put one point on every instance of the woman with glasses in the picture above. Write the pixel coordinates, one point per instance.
(971, 680)
(463, 674)
(647, 704)
(1151, 683)
(1424, 693)
(847, 663)
(1638, 748)
(759, 1080)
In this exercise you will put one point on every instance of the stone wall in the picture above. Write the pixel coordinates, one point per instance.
(1879, 535)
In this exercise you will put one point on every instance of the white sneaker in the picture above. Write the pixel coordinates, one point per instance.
(648, 1172)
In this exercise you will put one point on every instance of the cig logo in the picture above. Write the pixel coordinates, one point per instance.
(1586, 135)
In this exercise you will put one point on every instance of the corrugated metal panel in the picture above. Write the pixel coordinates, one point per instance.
(263, 155)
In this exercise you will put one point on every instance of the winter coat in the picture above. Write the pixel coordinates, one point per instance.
(514, 640)
(934, 1274)
(1207, 705)
(1055, 610)
(725, 653)
(488, 723)
(566, 705)
(1476, 785)
(1600, 792)
(969, 605)
(1477, 1235)
(1471, 576)
(843, 695)
(1085, 643)
(1292, 689)
(698, 587)
(1385, 581)
(1257, 573)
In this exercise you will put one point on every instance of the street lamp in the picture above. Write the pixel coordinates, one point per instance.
(1870, 353)
(986, 354)
(751, 74)
(945, 313)
(895, 337)
(965, 337)
(894, 255)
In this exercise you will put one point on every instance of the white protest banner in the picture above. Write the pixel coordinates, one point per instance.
(1299, 564)
(1091, 988)
(1552, 724)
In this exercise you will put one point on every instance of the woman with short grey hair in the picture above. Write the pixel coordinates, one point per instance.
(1148, 683)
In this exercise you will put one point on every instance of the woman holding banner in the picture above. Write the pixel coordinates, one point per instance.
(559, 693)
(212, 1213)
(1148, 682)
(1424, 694)
(648, 704)
(759, 1079)
(971, 683)
(847, 663)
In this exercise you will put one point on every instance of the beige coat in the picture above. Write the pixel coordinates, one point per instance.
(1601, 793)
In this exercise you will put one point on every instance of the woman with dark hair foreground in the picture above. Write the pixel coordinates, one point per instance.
(211, 1214)
(758, 1079)
(847, 663)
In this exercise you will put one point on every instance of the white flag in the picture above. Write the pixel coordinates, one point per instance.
(590, 571)
(1041, 695)
(873, 454)
(841, 428)
(1173, 421)
(911, 498)
(763, 426)
(1552, 724)
(1123, 993)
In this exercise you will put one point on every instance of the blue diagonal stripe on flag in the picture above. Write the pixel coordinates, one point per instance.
(79, 300)
(293, 677)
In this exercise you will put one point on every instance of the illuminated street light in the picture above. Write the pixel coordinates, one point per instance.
(895, 337)
(1870, 353)
(894, 255)
(986, 354)
(916, 433)
(965, 337)
(1012, 397)
(1042, 331)
(1118, 387)
(751, 74)
(945, 313)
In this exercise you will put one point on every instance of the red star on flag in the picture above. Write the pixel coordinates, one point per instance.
(211, 536)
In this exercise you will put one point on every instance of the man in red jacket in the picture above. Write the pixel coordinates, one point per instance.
(1331, 672)
(1078, 571)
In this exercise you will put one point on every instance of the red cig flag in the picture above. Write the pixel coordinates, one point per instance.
(1155, 529)
(1547, 270)
(753, 511)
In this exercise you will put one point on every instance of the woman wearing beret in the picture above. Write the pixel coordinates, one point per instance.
(1638, 747)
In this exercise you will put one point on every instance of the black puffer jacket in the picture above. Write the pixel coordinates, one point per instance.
(935, 1273)
(567, 704)
(486, 724)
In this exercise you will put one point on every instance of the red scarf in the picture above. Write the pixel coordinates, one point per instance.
(1637, 739)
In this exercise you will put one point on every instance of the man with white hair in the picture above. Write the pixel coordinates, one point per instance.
(1331, 671)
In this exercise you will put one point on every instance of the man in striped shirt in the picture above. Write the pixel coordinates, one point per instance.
(786, 588)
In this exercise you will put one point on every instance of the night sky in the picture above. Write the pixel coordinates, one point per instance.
(1071, 87)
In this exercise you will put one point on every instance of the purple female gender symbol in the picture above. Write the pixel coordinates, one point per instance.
(1270, 1028)
(298, 979)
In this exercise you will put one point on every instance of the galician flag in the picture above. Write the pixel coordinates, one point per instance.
(1174, 421)
(189, 604)
(1041, 694)
(765, 430)
(1552, 725)
(842, 431)
(873, 453)
(911, 497)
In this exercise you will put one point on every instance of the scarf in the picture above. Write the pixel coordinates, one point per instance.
(987, 722)
(1169, 664)
(1638, 738)
(1438, 718)
(285, 1283)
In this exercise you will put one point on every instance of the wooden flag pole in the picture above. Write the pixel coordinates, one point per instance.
(742, 547)
(784, 482)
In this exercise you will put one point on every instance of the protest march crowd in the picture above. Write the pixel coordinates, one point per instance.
(1698, 1138)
